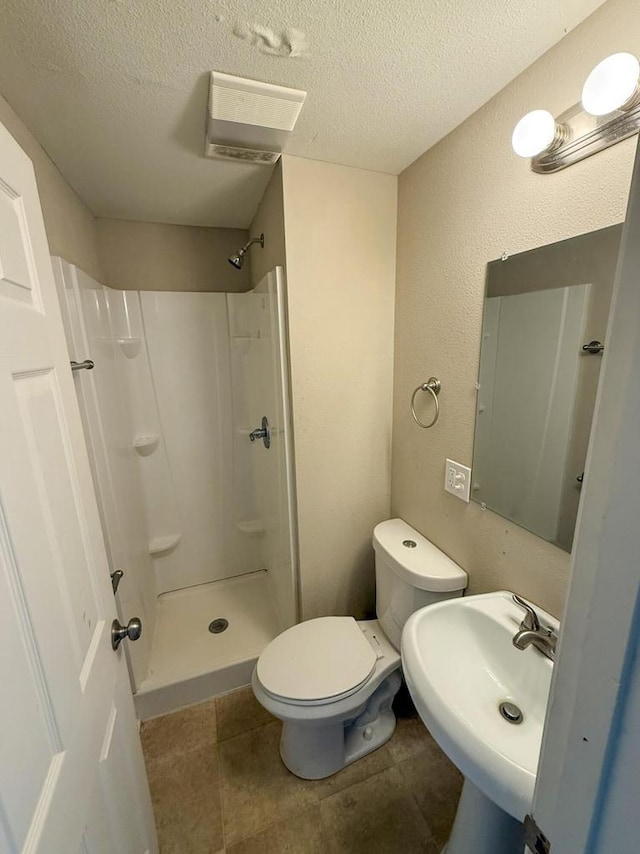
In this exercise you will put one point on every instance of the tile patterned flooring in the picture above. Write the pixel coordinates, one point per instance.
(219, 787)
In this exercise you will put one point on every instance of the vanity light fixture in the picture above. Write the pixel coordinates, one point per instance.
(608, 113)
(536, 132)
(612, 85)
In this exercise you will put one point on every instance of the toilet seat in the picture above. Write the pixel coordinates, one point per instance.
(316, 662)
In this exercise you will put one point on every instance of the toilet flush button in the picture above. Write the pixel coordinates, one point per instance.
(368, 733)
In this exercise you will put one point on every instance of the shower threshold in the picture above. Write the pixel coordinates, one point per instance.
(189, 663)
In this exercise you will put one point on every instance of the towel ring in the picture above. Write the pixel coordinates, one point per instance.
(433, 386)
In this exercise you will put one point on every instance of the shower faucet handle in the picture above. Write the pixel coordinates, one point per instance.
(263, 433)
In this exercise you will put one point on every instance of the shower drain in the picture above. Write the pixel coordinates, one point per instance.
(510, 712)
(219, 625)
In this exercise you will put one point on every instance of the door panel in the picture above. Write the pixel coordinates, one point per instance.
(17, 269)
(588, 763)
(57, 502)
(62, 695)
(35, 743)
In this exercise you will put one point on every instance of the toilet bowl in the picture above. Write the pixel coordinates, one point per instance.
(332, 680)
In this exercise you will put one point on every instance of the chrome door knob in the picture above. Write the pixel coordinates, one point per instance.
(132, 630)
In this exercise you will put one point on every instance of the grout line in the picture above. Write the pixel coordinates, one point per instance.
(221, 797)
(214, 709)
(422, 816)
(284, 818)
(244, 732)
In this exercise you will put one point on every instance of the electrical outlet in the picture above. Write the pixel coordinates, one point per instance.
(457, 479)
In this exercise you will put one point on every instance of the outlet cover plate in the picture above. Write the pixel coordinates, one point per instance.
(457, 480)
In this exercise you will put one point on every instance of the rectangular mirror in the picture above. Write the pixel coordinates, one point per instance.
(543, 334)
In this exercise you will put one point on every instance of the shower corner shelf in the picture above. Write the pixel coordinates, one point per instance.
(251, 527)
(146, 445)
(130, 346)
(160, 546)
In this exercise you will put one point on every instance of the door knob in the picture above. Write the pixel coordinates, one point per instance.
(132, 630)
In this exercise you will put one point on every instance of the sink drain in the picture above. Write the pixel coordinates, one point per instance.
(510, 712)
(219, 625)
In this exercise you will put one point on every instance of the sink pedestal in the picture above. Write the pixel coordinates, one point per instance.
(481, 827)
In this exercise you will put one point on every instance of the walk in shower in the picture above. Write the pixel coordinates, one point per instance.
(187, 418)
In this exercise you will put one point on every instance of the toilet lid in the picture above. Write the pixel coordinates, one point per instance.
(316, 660)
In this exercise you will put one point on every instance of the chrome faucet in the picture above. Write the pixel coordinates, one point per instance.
(531, 633)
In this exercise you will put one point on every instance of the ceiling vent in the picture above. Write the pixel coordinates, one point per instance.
(249, 121)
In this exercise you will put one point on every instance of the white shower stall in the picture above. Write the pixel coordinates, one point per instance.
(199, 518)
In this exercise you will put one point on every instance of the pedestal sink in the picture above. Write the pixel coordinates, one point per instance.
(484, 702)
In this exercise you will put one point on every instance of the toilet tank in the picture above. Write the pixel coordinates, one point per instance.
(410, 573)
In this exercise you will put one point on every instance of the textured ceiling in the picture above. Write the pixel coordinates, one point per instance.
(116, 90)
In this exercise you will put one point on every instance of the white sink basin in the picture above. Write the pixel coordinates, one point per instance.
(460, 664)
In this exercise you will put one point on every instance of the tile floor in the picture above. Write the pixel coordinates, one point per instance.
(219, 787)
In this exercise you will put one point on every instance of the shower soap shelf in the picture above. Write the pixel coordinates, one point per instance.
(160, 546)
(251, 527)
(146, 445)
(130, 346)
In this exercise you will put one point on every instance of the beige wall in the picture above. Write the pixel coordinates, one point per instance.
(148, 256)
(69, 223)
(462, 204)
(269, 220)
(128, 255)
(340, 229)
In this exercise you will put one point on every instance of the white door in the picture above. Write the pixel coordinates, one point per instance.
(71, 770)
(586, 796)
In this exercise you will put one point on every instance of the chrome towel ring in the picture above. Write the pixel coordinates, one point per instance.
(433, 386)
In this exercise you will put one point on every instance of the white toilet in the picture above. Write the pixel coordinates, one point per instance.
(332, 680)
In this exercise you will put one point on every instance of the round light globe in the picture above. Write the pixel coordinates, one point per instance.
(534, 133)
(611, 84)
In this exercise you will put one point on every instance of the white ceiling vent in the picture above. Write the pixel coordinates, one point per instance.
(247, 155)
(249, 120)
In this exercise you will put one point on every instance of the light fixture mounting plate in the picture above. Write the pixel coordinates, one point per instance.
(586, 135)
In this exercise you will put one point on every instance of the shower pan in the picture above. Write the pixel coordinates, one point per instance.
(198, 515)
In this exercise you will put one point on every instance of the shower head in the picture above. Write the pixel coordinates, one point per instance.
(237, 259)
